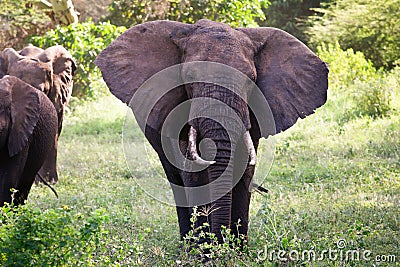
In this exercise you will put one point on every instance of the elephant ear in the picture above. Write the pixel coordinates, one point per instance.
(7, 57)
(3, 67)
(134, 57)
(25, 112)
(292, 78)
(5, 103)
(31, 51)
(64, 68)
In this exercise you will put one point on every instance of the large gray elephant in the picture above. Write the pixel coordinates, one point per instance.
(28, 127)
(50, 71)
(292, 80)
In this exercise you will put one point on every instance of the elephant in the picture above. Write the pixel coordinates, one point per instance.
(51, 71)
(28, 129)
(292, 81)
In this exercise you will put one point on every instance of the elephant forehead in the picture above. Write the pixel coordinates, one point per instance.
(31, 51)
(220, 33)
(30, 67)
(222, 45)
(206, 23)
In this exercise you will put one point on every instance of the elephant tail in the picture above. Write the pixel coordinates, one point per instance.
(48, 185)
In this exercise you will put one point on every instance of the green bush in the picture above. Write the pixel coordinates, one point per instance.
(291, 15)
(353, 78)
(54, 237)
(202, 246)
(345, 66)
(369, 26)
(236, 13)
(84, 41)
(373, 97)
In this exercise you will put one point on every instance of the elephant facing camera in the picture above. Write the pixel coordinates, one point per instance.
(221, 89)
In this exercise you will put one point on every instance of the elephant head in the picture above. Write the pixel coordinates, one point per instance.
(290, 77)
(28, 126)
(51, 72)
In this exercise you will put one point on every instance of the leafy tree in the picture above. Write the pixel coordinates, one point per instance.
(236, 13)
(291, 15)
(84, 41)
(18, 20)
(370, 26)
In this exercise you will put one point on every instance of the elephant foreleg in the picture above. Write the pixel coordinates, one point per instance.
(173, 176)
(241, 194)
(240, 207)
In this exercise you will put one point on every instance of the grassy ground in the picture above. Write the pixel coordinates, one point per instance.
(330, 181)
(334, 189)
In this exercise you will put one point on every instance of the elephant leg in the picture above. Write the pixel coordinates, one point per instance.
(22, 194)
(175, 179)
(241, 194)
(5, 186)
(173, 176)
(48, 171)
(10, 171)
(192, 182)
(240, 206)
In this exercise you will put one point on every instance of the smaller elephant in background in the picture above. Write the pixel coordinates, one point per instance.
(51, 71)
(28, 130)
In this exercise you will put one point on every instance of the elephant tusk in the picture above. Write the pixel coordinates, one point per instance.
(250, 148)
(193, 148)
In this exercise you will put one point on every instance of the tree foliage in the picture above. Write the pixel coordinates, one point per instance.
(370, 26)
(18, 20)
(353, 78)
(84, 41)
(236, 13)
(291, 15)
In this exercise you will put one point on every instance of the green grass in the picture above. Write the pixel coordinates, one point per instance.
(331, 179)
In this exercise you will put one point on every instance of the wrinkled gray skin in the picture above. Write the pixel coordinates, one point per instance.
(292, 79)
(28, 128)
(51, 72)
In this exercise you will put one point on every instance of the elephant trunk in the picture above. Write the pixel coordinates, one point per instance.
(222, 117)
(220, 176)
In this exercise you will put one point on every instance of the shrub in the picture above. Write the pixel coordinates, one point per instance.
(84, 41)
(369, 26)
(373, 97)
(202, 247)
(345, 66)
(354, 78)
(54, 237)
(291, 15)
